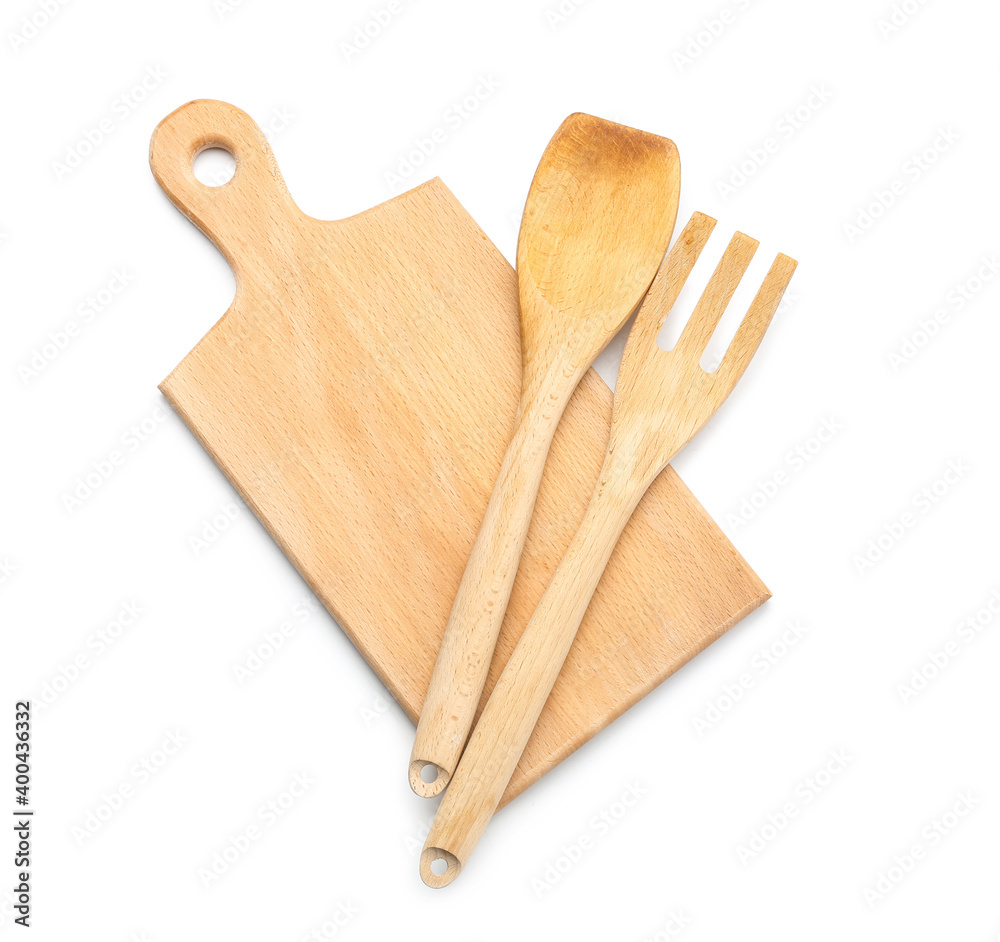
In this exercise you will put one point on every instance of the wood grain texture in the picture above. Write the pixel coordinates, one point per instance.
(359, 394)
(596, 225)
(663, 399)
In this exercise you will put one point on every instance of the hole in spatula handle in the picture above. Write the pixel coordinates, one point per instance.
(438, 867)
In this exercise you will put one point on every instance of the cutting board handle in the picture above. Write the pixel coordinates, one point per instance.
(252, 207)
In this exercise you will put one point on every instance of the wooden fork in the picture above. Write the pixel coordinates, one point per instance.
(662, 399)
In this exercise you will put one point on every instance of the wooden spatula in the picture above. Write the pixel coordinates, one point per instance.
(596, 225)
(662, 399)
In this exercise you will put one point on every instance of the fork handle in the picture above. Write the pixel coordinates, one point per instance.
(463, 660)
(514, 705)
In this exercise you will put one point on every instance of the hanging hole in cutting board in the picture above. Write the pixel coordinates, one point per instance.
(214, 166)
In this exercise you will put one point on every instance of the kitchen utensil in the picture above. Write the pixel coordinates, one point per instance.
(359, 393)
(596, 226)
(661, 401)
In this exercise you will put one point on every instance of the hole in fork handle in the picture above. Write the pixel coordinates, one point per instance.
(438, 867)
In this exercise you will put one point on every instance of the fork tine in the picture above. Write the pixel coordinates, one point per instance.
(716, 297)
(751, 331)
(670, 279)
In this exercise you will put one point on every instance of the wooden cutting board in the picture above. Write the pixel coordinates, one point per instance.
(359, 394)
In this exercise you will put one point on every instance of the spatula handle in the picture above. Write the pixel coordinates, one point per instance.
(477, 614)
(512, 710)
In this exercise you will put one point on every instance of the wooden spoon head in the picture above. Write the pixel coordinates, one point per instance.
(596, 225)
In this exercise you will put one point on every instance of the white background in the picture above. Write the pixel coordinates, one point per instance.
(349, 844)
